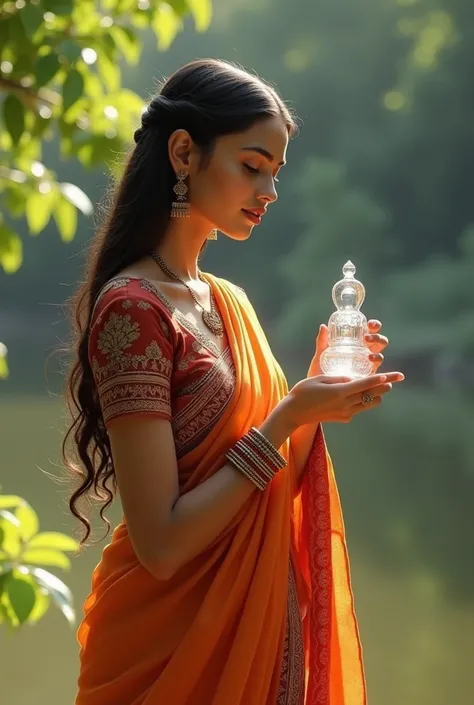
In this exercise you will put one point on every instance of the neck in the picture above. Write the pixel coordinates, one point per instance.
(182, 244)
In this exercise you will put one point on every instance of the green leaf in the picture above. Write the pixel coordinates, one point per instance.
(60, 592)
(15, 198)
(127, 42)
(3, 366)
(181, 7)
(202, 13)
(125, 6)
(21, 595)
(166, 25)
(73, 89)
(32, 18)
(39, 207)
(46, 68)
(77, 197)
(108, 46)
(70, 50)
(14, 117)
(4, 577)
(45, 556)
(109, 72)
(10, 518)
(42, 604)
(11, 539)
(59, 7)
(65, 216)
(11, 250)
(7, 616)
(10, 500)
(29, 522)
(53, 539)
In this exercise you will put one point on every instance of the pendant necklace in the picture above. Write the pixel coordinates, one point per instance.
(211, 318)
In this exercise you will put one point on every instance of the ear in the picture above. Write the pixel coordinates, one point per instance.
(180, 146)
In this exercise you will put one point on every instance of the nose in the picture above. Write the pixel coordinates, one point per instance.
(268, 192)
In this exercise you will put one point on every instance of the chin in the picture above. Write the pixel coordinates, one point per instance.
(239, 234)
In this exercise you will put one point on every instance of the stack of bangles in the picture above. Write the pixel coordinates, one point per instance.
(256, 458)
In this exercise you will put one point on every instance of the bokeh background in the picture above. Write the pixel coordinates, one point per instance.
(382, 173)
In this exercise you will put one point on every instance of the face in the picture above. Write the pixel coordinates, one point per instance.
(238, 184)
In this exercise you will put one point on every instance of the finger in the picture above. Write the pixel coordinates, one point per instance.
(376, 340)
(359, 408)
(376, 359)
(322, 337)
(379, 391)
(329, 379)
(374, 325)
(368, 383)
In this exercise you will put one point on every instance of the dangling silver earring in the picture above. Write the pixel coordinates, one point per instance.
(212, 234)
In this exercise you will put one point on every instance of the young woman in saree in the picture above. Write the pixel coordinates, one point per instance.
(227, 582)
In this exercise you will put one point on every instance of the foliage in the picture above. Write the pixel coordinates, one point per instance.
(61, 74)
(26, 588)
(3, 361)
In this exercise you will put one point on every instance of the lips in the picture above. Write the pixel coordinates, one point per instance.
(254, 216)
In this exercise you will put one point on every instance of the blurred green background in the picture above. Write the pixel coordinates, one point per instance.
(382, 174)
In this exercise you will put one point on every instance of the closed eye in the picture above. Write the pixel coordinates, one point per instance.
(251, 169)
(256, 171)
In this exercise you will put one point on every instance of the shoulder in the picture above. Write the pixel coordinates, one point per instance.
(131, 307)
(234, 288)
(124, 294)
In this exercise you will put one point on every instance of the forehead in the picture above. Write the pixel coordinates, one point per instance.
(270, 134)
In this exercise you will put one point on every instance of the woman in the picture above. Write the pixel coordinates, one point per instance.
(227, 581)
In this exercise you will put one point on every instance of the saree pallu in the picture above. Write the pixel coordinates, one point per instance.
(216, 632)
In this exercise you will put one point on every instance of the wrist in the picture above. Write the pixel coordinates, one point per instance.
(280, 424)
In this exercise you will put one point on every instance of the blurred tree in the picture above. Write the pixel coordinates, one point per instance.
(60, 70)
(60, 64)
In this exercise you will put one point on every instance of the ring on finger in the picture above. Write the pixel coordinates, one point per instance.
(367, 398)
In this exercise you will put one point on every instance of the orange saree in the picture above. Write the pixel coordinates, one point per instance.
(216, 633)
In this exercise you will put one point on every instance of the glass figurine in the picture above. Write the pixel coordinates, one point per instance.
(347, 353)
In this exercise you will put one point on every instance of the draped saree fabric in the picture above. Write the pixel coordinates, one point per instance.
(214, 633)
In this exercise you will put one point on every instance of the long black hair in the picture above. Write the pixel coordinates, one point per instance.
(208, 98)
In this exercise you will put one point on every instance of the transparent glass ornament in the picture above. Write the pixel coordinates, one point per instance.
(347, 353)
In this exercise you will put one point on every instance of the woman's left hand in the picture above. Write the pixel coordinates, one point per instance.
(374, 341)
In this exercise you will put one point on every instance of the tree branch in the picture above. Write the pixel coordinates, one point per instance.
(28, 96)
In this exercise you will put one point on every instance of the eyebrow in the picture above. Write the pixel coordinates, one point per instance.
(264, 152)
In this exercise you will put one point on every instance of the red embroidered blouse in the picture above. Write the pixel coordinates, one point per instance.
(148, 358)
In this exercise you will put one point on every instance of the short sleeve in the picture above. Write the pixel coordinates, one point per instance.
(131, 354)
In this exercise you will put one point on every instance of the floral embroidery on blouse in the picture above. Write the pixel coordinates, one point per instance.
(131, 362)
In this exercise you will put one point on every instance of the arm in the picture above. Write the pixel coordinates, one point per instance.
(166, 530)
(301, 442)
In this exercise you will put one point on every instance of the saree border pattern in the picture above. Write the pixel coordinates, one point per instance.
(317, 488)
(291, 689)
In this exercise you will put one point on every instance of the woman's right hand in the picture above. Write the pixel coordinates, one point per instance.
(324, 398)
